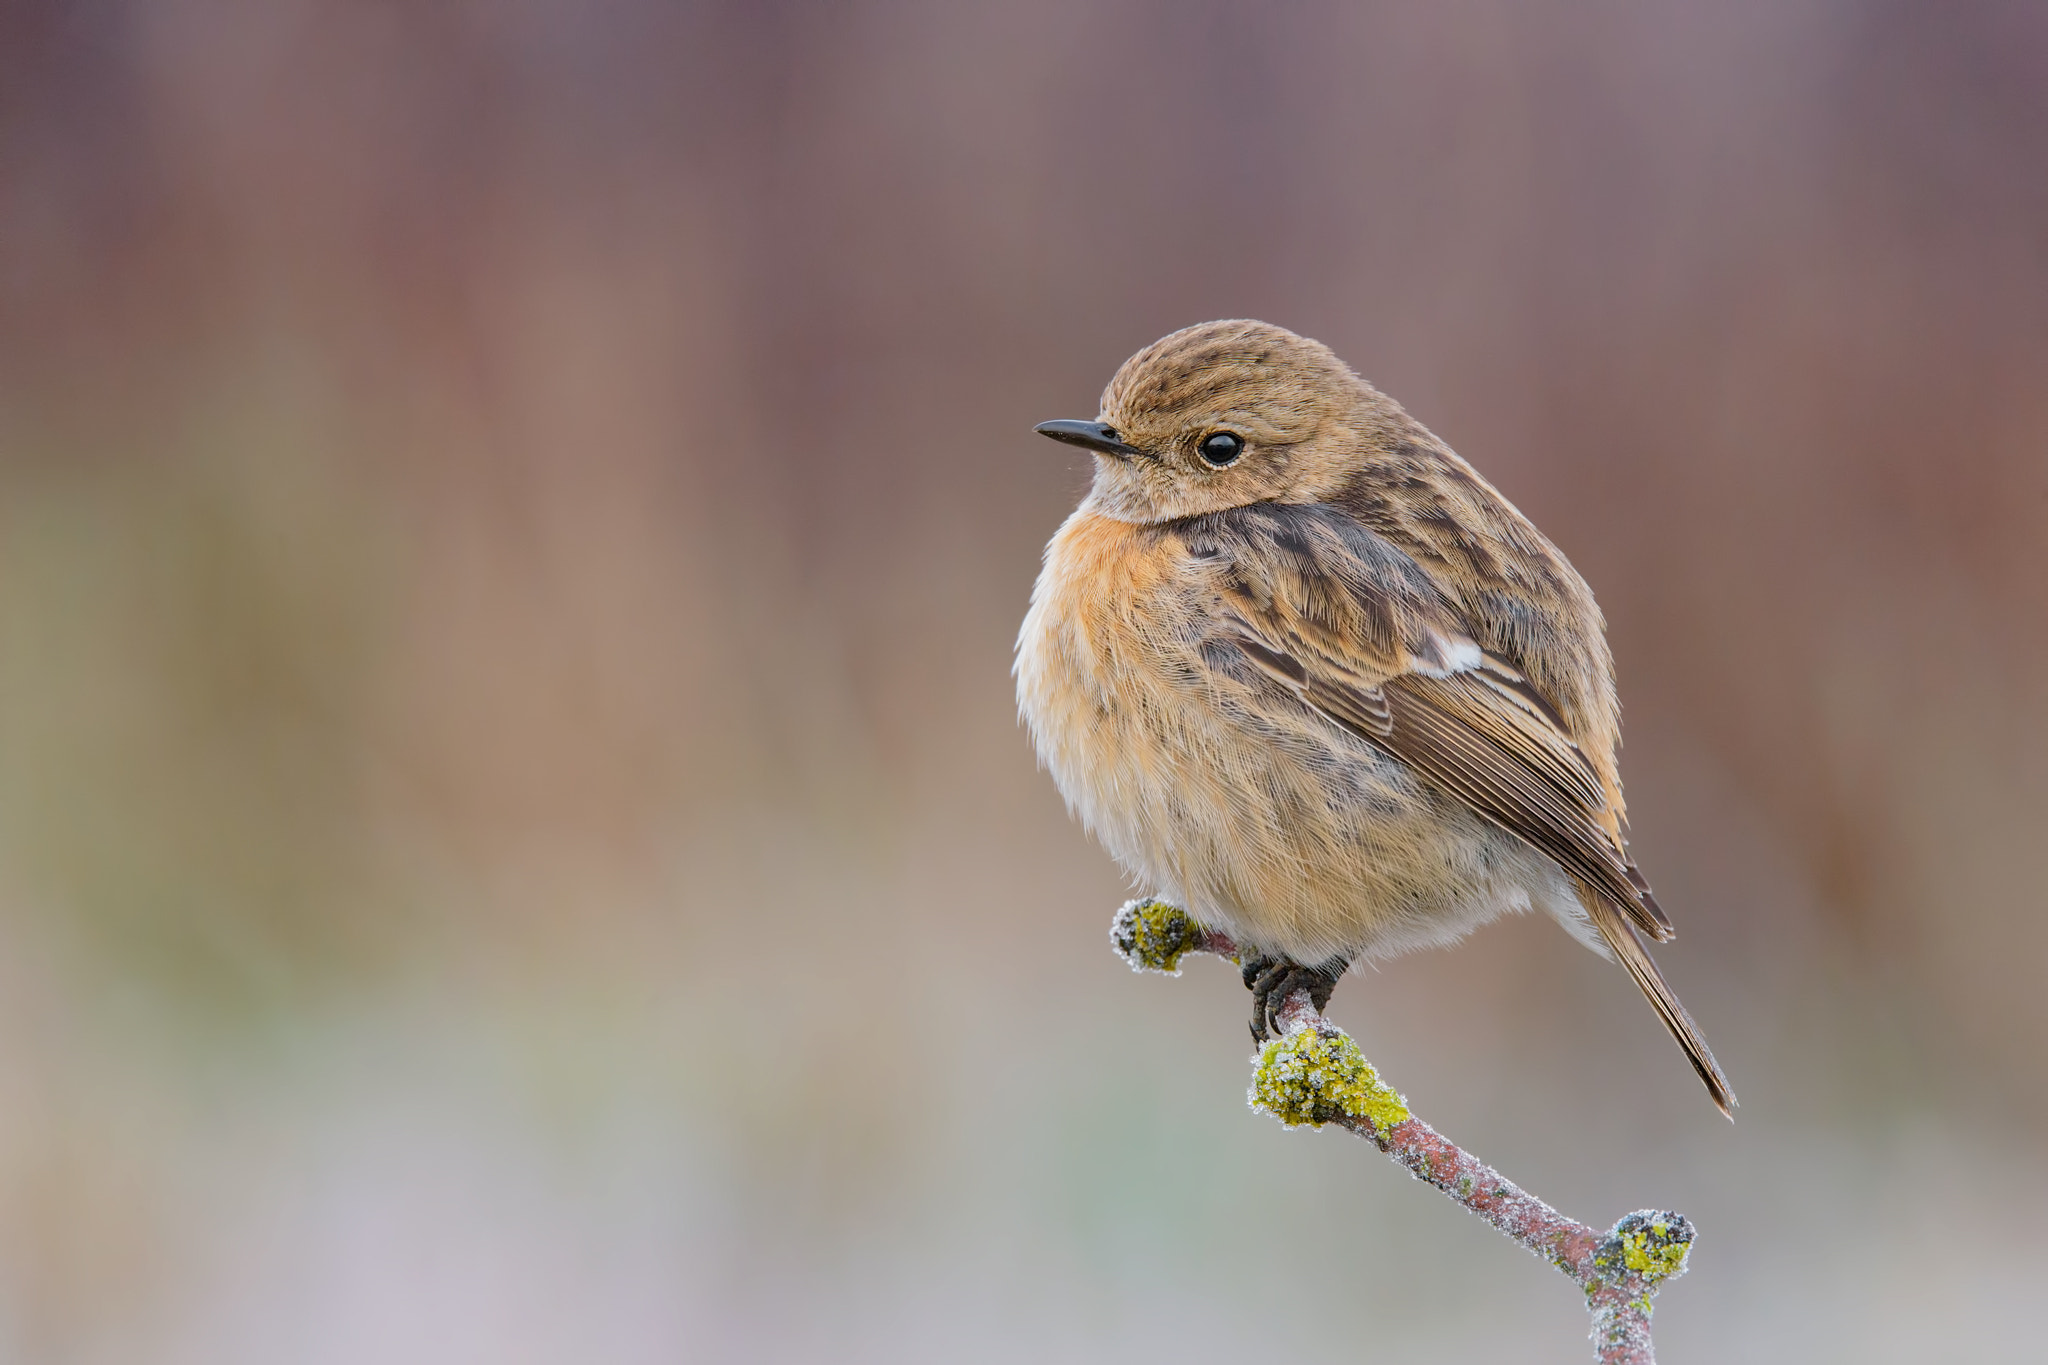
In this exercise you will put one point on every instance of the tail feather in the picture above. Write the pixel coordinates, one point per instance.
(1647, 914)
(1628, 950)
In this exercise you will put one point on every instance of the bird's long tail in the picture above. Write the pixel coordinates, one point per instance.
(1627, 947)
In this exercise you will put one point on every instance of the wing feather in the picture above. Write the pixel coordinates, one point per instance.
(1454, 731)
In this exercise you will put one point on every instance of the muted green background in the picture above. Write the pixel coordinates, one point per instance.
(514, 841)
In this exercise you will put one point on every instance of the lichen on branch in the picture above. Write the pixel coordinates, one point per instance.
(1317, 1076)
(1153, 936)
(1652, 1245)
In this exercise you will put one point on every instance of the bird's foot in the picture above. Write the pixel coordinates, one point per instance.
(1272, 980)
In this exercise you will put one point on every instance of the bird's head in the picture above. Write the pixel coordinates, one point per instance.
(1221, 415)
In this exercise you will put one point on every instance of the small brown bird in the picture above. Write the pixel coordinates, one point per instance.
(1308, 675)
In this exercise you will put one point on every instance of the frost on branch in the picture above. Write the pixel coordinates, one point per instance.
(1313, 1074)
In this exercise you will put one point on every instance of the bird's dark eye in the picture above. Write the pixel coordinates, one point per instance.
(1222, 448)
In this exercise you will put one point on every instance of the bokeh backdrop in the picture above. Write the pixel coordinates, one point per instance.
(514, 840)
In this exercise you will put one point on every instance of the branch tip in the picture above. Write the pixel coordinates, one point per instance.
(1648, 1245)
(1153, 936)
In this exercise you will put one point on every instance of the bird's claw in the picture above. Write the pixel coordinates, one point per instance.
(1272, 980)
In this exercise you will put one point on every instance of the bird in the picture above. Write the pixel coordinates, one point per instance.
(1303, 672)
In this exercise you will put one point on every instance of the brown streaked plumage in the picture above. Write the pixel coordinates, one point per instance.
(1303, 671)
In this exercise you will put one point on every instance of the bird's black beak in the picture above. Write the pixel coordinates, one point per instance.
(1091, 435)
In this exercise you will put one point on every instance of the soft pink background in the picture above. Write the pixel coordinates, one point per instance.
(514, 843)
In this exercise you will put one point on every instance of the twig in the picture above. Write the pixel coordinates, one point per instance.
(1314, 1074)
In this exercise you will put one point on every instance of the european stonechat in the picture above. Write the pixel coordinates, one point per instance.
(1309, 676)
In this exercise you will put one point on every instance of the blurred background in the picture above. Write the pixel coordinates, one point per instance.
(514, 840)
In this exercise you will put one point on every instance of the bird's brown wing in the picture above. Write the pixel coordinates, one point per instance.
(1354, 627)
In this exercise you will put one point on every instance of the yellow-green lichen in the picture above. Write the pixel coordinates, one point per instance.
(1649, 1253)
(1153, 936)
(1650, 1246)
(1313, 1076)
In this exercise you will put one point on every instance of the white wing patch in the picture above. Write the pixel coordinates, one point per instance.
(1442, 655)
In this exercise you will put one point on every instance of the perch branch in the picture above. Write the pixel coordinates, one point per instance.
(1314, 1074)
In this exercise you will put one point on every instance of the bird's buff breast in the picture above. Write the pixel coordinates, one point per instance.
(1251, 811)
